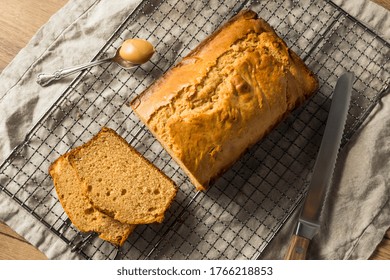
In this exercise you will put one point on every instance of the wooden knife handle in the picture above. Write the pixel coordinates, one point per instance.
(298, 248)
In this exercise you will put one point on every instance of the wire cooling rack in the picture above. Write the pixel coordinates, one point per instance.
(241, 213)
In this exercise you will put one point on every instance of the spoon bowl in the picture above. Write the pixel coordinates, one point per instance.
(125, 64)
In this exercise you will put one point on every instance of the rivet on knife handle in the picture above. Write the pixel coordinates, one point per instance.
(297, 248)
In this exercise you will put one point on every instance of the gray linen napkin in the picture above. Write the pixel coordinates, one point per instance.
(57, 44)
(358, 215)
(22, 101)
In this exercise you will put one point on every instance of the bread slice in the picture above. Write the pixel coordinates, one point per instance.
(224, 96)
(78, 208)
(120, 182)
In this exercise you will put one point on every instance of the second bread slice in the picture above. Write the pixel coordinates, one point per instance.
(120, 182)
(79, 209)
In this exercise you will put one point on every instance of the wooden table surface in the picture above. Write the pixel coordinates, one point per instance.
(19, 21)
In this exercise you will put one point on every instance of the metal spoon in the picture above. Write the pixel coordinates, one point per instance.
(140, 58)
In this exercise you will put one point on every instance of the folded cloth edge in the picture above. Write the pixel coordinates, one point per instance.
(362, 9)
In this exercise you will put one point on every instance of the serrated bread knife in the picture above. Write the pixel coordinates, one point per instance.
(309, 219)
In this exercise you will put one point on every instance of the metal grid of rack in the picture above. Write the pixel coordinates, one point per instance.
(243, 210)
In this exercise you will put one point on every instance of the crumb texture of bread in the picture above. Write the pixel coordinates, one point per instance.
(224, 96)
(120, 182)
(78, 208)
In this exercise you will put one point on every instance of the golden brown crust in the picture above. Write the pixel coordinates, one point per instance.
(224, 96)
(197, 62)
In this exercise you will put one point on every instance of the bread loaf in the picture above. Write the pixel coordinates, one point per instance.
(224, 96)
(120, 182)
(78, 208)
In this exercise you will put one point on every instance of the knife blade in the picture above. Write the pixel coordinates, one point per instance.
(309, 220)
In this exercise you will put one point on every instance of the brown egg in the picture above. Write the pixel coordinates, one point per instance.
(136, 50)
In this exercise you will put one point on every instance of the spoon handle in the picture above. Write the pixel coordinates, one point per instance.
(45, 79)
